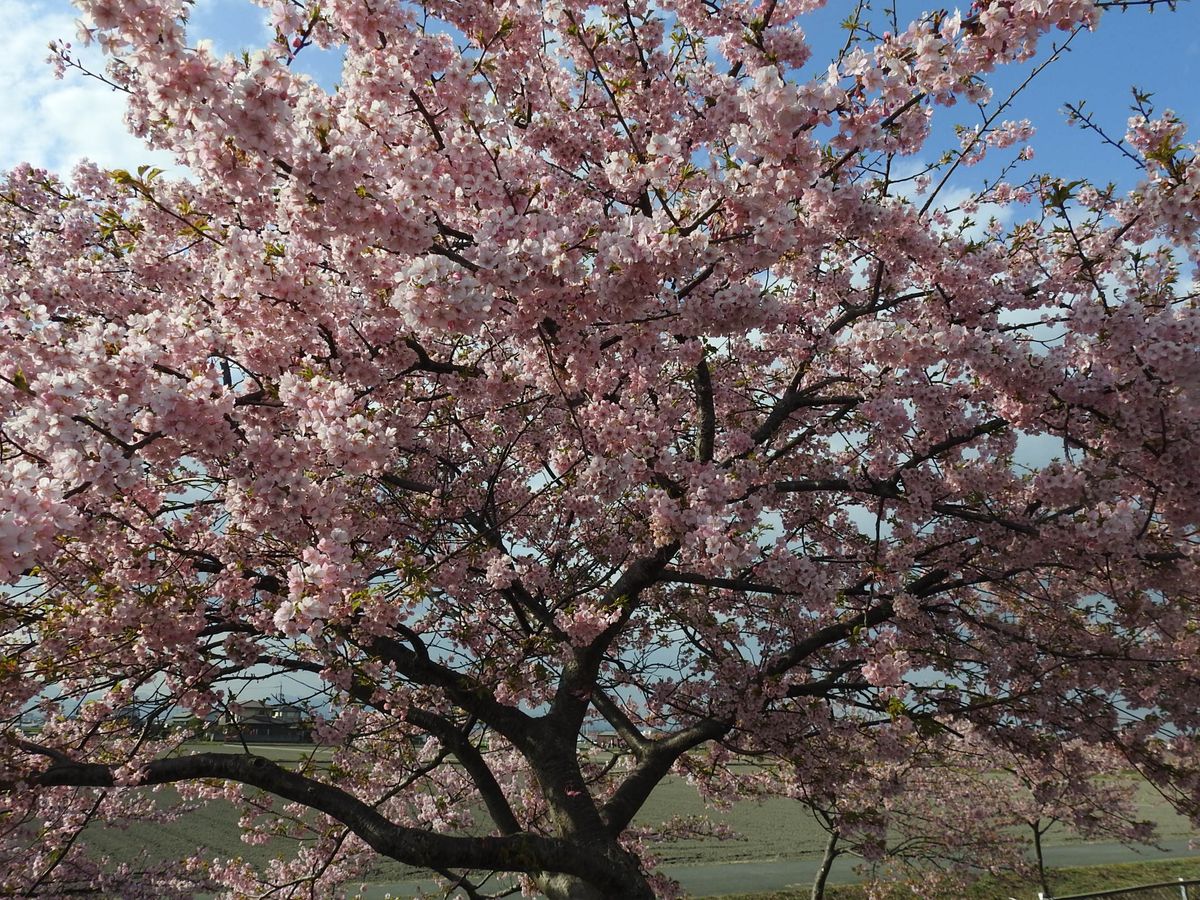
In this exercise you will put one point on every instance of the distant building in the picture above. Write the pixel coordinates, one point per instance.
(31, 721)
(266, 722)
(144, 717)
(606, 740)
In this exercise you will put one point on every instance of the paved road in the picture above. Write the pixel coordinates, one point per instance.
(733, 878)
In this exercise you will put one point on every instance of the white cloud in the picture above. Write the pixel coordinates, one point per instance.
(54, 123)
(51, 123)
(951, 200)
(232, 25)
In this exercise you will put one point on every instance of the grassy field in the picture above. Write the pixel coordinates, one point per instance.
(772, 832)
(1063, 883)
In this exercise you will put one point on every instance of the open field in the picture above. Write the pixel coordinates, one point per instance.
(777, 846)
(1063, 882)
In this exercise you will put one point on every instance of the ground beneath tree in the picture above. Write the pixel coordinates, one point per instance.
(778, 843)
(761, 876)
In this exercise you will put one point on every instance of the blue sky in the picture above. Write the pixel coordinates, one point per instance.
(55, 123)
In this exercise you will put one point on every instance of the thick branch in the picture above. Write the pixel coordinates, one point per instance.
(579, 673)
(621, 723)
(465, 692)
(652, 767)
(795, 398)
(991, 426)
(472, 760)
(406, 484)
(450, 737)
(840, 631)
(706, 440)
(425, 363)
(520, 852)
(729, 584)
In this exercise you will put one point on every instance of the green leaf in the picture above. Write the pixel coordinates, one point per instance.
(21, 382)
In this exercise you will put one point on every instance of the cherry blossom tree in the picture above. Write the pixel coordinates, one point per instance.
(932, 815)
(1081, 788)
(966, 806)
(936, 821)
(937, 806)
(570, 362)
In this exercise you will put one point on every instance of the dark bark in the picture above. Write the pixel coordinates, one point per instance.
(1041, 862)
(831, 853)
(581, 870)
(654, 762)
(564, 887)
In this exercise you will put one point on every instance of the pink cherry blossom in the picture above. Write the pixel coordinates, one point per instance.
(575, 365)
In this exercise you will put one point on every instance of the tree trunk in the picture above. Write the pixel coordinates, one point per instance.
(625, 878)
(567, 887)
(556, 766)
(1041, 862)
(831, 853)
(556, 886)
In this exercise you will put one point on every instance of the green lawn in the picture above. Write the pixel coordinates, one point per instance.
(775, 831)
(1063, 882)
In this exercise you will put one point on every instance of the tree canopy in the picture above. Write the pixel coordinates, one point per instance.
(576, 362)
